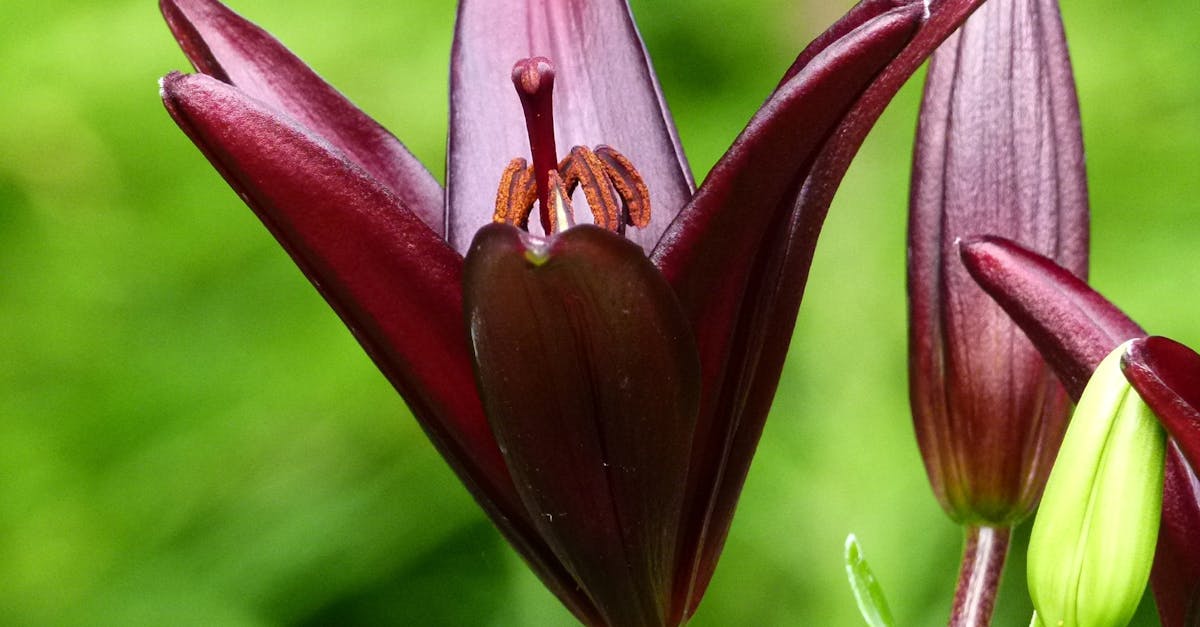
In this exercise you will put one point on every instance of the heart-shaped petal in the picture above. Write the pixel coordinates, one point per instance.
(590, 379)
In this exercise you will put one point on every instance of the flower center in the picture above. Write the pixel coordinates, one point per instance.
(604, 174)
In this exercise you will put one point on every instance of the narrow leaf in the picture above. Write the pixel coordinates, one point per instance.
(867, 591)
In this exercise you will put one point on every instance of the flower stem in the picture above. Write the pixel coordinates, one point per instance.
(983, 557)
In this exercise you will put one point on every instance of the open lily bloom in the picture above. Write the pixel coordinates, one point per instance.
(1074, 327)
(599, 389)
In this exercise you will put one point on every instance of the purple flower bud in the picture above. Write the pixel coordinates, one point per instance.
(998, 151)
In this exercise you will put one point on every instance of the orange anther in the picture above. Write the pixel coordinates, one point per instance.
(518, 191)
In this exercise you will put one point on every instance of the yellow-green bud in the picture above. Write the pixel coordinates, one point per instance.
(1094, 535)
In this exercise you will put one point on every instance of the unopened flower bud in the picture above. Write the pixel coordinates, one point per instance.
(999, 151)
(1093, 539)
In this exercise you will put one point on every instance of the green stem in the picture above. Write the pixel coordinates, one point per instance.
(984, 552)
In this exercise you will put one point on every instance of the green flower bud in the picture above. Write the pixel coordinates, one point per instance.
(1094, 535)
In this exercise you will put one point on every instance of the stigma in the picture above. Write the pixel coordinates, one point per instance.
(615, 191)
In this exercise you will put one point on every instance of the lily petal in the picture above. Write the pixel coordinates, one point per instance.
(1071, 324)
(1176, 574)
(224, 45)
(793, 245)
(999, 151)
(1075, 327)
(859, 14)
(739, 254)
(605, 93)
(1167, 375)
(796, 243)
(391, 279)
(781, 289)
(591, 382)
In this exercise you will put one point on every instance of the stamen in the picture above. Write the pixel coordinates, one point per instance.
(534, 80)
(604, 174)
(563, 216)
(635, 195)
(514, 199)
(582, 167)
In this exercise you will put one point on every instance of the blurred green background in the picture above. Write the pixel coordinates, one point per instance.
(189, 436)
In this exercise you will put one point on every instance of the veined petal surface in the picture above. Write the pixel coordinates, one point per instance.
(605, 92)
(999, 150)
(1092, 543)
(224, 45)
(591, 384)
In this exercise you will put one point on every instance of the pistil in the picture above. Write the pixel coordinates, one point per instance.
(534, 80)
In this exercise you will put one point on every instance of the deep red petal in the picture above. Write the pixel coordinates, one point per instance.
(859, 14)
(1167, 376)
(393, 281)
(714, 254)
(222, 44)
(999, 150)
(1072, 325)
(1175, 577)
(591, 383)
(605, 92)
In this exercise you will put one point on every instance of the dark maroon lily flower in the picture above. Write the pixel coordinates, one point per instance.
(999, 150)
(1075, 328)
(602, 405)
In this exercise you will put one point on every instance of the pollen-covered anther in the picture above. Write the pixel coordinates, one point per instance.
(516, 195)
(601, 173)
(634, 193)
(615, 191)
(604, 174)
(584, 169)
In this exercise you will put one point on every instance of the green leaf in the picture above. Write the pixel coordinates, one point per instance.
(867, 591)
